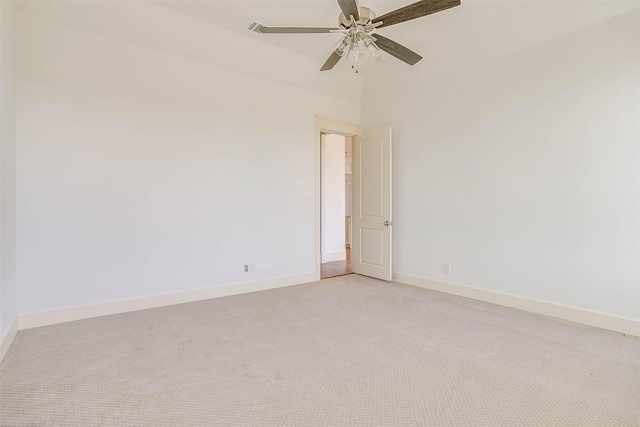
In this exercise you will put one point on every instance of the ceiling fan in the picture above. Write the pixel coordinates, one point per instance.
(358, 24)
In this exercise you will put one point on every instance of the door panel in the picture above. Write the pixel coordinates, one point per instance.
(372, 247)
(372, 204)
(372, 154)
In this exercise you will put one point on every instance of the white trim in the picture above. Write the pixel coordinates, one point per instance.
(45, 318)
(334, 256)
(326, 125)
(336, 127)
(7, 339)
(591, 318)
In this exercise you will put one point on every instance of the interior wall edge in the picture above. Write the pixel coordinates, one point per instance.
(8, 337)
(572, 314)
(53, 317)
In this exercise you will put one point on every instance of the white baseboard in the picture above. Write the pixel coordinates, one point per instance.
(8, 337)
(599, 320)
(45, 318)
(334, 256)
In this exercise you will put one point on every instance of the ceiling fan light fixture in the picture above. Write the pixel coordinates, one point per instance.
(357, 44)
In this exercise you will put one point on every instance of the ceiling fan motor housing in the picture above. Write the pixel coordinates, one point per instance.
(366, 16)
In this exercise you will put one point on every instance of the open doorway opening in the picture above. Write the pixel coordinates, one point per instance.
(335, 200)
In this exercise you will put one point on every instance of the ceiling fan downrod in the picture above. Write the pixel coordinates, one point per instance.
(365, 16)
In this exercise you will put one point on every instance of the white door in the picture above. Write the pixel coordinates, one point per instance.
(371, 207)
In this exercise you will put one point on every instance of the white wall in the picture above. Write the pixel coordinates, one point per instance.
(522, 172)
(140, 146)
(7, 175)
(142, 172)
(333, 198)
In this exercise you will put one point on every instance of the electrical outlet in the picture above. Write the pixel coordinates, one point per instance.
(446, 268)
(246, 268)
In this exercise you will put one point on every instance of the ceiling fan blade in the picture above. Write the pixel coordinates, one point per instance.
(332, 61)
(349, 7)
(294, 30)
(415, 10)
(396, 49)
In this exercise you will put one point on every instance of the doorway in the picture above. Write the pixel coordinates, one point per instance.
(371, 211)
(335, 201)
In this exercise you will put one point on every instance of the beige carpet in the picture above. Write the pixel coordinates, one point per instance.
(348, 351)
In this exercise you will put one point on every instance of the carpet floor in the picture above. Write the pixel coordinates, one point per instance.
(349, 351)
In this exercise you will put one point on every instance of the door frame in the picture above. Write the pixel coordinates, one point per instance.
(326, 125)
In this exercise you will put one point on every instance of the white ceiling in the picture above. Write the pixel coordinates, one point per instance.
(474, 31)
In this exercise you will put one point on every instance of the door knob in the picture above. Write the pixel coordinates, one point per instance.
(387, 223)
